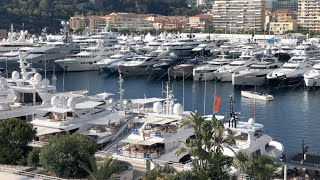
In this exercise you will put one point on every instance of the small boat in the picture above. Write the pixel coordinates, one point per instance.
(256, 95)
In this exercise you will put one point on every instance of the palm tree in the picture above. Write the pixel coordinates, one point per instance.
(102, 170)
(261, 167)
(166, 172)
(210, 138)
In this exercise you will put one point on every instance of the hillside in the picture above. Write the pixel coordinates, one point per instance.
(36, 14)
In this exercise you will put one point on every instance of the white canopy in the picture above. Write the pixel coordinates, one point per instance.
(45, 130)
(56, 110)
(88, 105)
(146, 100)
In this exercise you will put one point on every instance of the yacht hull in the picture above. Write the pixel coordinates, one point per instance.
(77, 66)
(310, 82)
(224, 76)
(284, 81)
(249, 79)
(133, 70)
(204, 76)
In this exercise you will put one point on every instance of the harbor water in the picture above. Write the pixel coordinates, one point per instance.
(293, 115)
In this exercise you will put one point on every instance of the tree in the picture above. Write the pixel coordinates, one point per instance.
(260, 167)
(210, 137)
(103, 170)
(33, 158)
(15, 135)
(161, 173)
(62, 154)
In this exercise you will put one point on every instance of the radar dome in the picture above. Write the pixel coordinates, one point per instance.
(3, 82)
(15, 75)
(111, 101)
(45, 82)
(25, 76)
(157, 107)
(127, 102)
(177, 109)
(55, 101)
(71, 103)
(37, 77)
(251, 122)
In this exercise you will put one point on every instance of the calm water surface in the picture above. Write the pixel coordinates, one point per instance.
(293, 115)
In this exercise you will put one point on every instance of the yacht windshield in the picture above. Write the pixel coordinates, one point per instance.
(289, 67)
(257, 67)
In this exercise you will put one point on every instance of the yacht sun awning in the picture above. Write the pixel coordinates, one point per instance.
(130, 141)
(148, 143)
(45, 130)
(146, 100)
(165, 121)
(106, 119)
(151, 120)
(56, 110)
(88, 105)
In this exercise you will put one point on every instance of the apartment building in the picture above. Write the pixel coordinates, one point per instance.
(131, 21)
(291, 5)
(201, 21)
(238, 14)
(78, 22)
(168, 22)
(309, 15)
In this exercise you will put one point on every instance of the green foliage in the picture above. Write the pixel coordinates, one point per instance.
(62, 154)
(161, 173)
(33, 157)
(37, 14)
(102, 170)
(210, 137)
(15, 135)
(260, 167)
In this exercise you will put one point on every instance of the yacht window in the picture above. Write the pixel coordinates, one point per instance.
(241, 137)
(235, 64)
(257, 67)
(258, 133)
(288, 67)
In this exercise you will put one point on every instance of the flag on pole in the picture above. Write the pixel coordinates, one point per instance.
(217, 102)
(254, 109)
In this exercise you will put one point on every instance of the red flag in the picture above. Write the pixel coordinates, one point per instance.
(217, 102)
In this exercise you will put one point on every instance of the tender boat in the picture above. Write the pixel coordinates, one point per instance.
(256, 95)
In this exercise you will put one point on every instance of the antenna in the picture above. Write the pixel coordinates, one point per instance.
(205, 94)
(183, 88)
(121, 90)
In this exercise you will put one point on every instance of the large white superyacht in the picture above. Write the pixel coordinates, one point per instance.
(224, 73)
(205, 72)
(312, 77)
(87, 59)
(291, 72)
(255, 74)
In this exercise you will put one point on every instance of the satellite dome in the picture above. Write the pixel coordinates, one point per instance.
(177, 109)
(37, 77)
(15, 75)
(45, 82)
(251, 122)
(55, 101)
(3, 82)
(111, 101)
(157, 107)
(25, 76)
(127, 102)
(71, 103)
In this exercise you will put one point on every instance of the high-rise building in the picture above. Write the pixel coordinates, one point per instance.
(309, 15)
(291, 5)
(238, 14)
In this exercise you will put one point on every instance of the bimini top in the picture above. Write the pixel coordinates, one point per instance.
(146, 100)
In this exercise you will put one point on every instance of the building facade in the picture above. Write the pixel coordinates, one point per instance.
(131, 21)
(309, 15)
(168, 22)
(78, 22)
(283, 27)
(201, 21)
(291, 5)
(238, 14)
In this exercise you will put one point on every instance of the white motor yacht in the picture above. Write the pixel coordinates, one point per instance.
(205, 72)
(140, 64)
(255, 74)
(122, 56)
(291, 72)
(312, 77)
(86, 60)
(224, 73)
